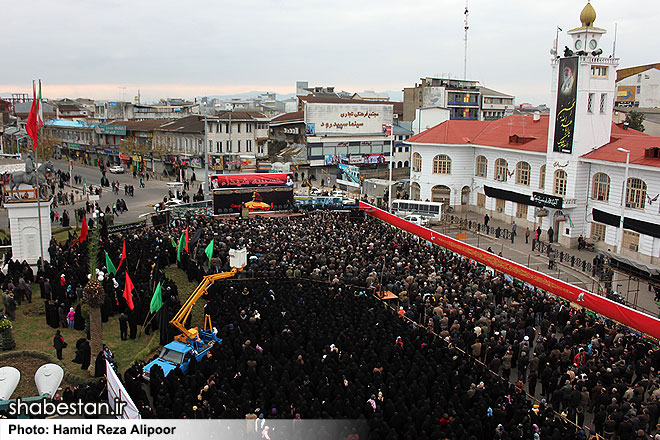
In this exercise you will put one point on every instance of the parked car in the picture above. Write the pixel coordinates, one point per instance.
(417, 220)
(167, 205)
(116, 169)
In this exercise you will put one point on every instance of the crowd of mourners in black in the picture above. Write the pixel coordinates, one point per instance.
(305, 336)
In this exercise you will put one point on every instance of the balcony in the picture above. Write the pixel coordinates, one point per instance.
(463, 118)
(463, 104)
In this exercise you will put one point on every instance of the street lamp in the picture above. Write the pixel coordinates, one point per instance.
(623, 200)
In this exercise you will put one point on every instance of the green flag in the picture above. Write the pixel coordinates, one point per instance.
(156, 300)
(173, 242)
(108, 264)
(182, 244)
(209, 250)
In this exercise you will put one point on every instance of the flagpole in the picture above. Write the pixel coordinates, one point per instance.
(38, 192)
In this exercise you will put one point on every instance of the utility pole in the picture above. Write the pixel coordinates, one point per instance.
(230, 145)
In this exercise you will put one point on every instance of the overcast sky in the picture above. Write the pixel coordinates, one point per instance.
(109, 49)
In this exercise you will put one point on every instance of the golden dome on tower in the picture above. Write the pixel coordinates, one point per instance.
(588, 15)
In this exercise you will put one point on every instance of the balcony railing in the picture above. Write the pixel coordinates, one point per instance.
(463, 104)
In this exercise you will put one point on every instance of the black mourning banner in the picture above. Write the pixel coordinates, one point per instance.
(566, 100)
(256, 199)
(546, 200)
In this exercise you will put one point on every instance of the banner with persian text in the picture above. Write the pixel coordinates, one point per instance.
(348, 118)
(248, 180)
(566, 101)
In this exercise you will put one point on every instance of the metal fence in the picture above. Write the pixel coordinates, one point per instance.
(452, 221)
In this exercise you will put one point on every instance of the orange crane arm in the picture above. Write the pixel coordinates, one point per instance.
(182, 315)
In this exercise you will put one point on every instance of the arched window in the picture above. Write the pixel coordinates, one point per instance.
(601, 187)
(399, 164)
(542, 177)
(417, 162)
(414, 191)
(560, 183)
(481, 166)
(635, 193)
(441, 164)
(501, 170)
(523, 171)
(406, 164)
(441, 193)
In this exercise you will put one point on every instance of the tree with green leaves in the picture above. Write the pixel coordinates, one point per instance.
(635, 120)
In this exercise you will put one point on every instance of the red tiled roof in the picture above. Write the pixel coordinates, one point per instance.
(498, 133)
(288, 117)
(634, 141)
(534, 137)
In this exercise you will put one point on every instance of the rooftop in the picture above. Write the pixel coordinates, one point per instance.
(521, 132)
(242, 116)
(144, 125)
(189, 124)
(288, 118)
(634, 141)
(630, 71)
(60, 123)
(332, 100)
(529, 135)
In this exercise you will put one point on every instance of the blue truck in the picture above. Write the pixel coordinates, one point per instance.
(179, 354)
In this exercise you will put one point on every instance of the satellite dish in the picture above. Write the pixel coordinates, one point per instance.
(9, 378)
(48, 378)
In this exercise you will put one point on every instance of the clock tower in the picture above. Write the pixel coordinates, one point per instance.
(583, 90)
(587, 37)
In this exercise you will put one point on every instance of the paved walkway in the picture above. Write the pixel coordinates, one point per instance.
(637, 294)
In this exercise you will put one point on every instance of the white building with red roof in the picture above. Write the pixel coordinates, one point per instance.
(565, 171)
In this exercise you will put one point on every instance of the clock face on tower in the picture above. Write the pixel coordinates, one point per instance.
(578, 44)
(593, 44)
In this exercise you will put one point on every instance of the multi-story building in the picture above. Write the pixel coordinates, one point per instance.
(494, 104)
(465, 99)
(638, 86)
(237, 139)
(574, 170)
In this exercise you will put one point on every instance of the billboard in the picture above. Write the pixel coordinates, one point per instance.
(348, 118)
(626, 93)
(256, 199)
(566, 99)
(219, 181)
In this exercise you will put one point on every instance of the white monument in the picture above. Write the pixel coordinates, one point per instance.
(24, 228)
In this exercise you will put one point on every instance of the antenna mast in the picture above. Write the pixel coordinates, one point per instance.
(466, 41)
(614, 43)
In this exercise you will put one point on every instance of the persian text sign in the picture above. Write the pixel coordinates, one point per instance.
(348, 118)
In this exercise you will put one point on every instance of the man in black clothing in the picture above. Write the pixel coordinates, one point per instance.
(59, 344)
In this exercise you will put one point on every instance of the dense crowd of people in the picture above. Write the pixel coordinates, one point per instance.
(466, 352)
(503, 340)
